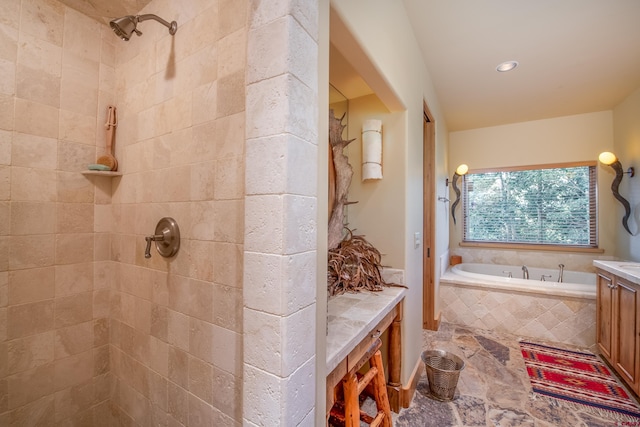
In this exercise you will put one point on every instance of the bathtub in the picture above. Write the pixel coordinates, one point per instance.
(496, 276)
(482, 296)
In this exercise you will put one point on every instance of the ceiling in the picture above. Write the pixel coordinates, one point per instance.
(575, 56)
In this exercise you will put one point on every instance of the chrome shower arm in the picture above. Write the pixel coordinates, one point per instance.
(173, 26)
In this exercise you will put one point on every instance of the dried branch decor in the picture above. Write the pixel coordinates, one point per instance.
(343, 174)
(354, 266)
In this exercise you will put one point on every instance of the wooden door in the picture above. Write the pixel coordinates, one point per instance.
(604, 315)
(430, 312)
(625, 355)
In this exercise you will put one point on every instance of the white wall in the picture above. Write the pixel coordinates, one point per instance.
(563, 139)
(398, 60)
(626, 133)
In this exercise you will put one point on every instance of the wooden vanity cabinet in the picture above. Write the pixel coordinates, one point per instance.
(618, 326)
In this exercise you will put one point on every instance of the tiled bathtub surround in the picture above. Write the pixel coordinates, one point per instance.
(552, 318)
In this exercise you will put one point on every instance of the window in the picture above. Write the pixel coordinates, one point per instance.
(538, 205)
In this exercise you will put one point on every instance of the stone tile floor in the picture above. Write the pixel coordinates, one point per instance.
(493, 389)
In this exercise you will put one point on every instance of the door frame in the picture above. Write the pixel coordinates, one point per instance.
(430, 319)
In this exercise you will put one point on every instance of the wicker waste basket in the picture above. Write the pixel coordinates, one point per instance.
(443, 371)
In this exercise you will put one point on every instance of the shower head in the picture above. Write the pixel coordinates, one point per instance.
(127, 25)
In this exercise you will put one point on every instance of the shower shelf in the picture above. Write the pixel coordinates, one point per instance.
(101, 173)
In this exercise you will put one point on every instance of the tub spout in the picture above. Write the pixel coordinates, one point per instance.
(525, 272)
(560, 279)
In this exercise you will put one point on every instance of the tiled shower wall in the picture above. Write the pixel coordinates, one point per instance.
(56, 75)
(92, 332)
(176, 325)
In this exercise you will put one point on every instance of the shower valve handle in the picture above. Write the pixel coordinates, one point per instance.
(154, 238)
(167, 238)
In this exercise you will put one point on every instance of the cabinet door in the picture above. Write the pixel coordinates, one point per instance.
(626, 322)
(604, 315)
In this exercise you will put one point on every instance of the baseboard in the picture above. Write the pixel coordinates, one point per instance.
(410, 389)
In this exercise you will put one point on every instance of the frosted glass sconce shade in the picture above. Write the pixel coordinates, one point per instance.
(610, 159)
(371, 149)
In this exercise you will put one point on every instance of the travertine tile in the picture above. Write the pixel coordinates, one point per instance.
(74, 218)
(35, 118)
(226, 350)
(232, 15)
(178, 403)
(73, 278)
(30, 285)
(75, 157)
(78, 127)
(31, 251)
(203, 177)
(201, 379)
(74, 339)
(73, 187)
(29, 319)
(30, 352)
(178, 329)
(229, 221)
(204, 101)
(44, 20)
(559, 319)
(5, 144)
(6, 106)
(28, 386)
(33, 184)
(200, 412)
(73, 400)
(74, 309)
(73, 370)
(34, 152)
(227, 308)
(228, 268)
(74, 248)
(178, 367)
(40, 412)
(229, 182)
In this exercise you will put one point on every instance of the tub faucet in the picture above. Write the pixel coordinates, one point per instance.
(525, 272)
(560, 279)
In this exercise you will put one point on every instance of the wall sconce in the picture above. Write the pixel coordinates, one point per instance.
(460, 171)
(610, 159)
(372, 149)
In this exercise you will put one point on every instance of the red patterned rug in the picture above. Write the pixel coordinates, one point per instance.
(577, 379)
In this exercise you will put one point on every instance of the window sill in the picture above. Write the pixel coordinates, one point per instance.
(527, 247)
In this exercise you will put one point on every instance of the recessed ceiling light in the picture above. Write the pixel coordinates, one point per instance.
(507, 66)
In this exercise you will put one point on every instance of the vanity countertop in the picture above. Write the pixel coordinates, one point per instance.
(628, 270)
(350, 318)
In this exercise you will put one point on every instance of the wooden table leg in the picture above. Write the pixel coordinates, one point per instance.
(394, 385)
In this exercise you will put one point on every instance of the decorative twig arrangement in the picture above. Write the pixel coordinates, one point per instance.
(343, 174)
(354, 266)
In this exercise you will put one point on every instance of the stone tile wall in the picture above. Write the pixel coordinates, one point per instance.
(176, 324)
(56, 78)
(550, 318)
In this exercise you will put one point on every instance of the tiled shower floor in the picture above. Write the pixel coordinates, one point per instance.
(493, 389)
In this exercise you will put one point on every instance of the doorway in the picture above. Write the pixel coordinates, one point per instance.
(430, 319)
